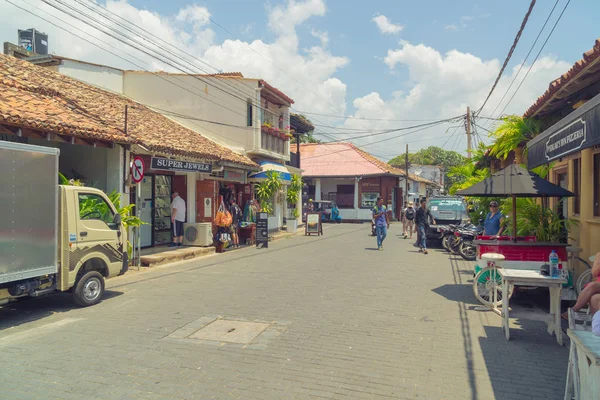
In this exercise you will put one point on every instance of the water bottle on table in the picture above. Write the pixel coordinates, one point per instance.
(554, 273)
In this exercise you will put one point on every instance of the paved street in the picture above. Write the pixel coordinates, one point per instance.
(343, 321)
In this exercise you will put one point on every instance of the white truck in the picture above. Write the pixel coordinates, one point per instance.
(54, 237)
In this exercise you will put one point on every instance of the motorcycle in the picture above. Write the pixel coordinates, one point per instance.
(463, 238)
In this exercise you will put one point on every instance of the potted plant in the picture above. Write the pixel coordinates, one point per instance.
(292, 223)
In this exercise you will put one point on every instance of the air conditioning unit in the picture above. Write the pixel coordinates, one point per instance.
(197, 234)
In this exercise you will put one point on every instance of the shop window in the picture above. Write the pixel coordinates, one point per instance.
(92, 206)
(369, 199)
(597, 185)
(577, 185)
(249, 119)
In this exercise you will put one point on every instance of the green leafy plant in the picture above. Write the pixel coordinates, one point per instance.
(534, 219)
(512, 133)
(267, 189)
(295, 213)
(293, 190)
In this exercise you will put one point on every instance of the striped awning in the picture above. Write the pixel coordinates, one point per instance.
(267, 166)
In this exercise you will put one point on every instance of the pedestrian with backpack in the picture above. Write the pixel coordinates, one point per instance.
(408, 220)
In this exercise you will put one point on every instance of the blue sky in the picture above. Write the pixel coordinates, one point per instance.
(436, 57)
(488, 31)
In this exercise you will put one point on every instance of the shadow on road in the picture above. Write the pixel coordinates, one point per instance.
(32, 309)
(457, 292)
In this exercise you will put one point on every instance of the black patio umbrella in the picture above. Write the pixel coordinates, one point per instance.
(515, 181)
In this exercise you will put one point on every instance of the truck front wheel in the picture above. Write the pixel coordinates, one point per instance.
(89, 289)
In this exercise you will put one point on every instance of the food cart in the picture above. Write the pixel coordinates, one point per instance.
(524, 253)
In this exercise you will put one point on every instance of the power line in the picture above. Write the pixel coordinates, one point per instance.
(509, 55)
(526, 57)
(144, 49)
(537, 56)
(363, 119)
(127, 25)
(101, 48)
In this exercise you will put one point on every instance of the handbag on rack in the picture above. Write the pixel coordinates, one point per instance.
(223, 217)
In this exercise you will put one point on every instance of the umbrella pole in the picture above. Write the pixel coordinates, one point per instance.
(514, 218)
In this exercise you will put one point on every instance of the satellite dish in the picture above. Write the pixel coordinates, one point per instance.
(418, 171)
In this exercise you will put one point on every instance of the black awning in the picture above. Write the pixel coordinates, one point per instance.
(577, 131)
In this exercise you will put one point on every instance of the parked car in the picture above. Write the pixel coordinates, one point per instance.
(447, 210)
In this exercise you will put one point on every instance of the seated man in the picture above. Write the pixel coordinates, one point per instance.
(591, 295)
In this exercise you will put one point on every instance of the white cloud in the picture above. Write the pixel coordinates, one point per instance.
(451, 28)
(442, 86)
(322, 36)
(386, 26)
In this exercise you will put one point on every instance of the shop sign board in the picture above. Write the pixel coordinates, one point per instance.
(314, 224)
(165, 164)
(233, 176)
(137, 169)
(566, 141)
(262, 230)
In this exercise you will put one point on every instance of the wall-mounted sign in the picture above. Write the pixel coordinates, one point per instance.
(313, 223)
(367, 186)
(164, 164)
(233, 176)
(566, 141)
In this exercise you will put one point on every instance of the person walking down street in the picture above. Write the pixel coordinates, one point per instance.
(408, 219)
(177, 219)
(493, 224)
(381, 222)
(422, 221)
(236, 217)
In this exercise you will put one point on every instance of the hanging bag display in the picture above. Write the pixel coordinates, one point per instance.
(223, 217)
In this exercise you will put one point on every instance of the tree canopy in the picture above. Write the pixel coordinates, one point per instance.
(433, 155)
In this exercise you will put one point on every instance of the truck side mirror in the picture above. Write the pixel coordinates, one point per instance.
(117, 219)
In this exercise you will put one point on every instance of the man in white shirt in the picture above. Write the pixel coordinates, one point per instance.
(177, 219)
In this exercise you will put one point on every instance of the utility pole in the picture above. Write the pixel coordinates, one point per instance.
(469, 132)
(406, 177)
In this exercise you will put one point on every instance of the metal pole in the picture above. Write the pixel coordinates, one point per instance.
(469, 132)
(406, 178)
(138, 196)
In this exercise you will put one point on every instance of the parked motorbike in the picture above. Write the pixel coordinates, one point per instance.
(462, 242)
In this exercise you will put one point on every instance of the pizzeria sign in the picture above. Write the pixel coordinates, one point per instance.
(568, 140)
(165, 164)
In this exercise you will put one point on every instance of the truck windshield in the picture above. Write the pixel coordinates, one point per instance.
(454, 209)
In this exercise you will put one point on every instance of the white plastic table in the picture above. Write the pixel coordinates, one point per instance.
(534, 279)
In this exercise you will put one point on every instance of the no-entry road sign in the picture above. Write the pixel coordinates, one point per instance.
(137, 169)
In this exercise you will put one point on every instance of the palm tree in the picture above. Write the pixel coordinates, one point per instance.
(512, 134)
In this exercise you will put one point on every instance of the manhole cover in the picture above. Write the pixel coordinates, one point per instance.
(223, 330)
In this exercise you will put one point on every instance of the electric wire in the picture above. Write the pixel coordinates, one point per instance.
(536, 57)
(509, 55)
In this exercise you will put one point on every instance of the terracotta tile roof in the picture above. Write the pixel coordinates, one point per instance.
(41, 99)
(345, 159)
(278, 92)
(590, 58)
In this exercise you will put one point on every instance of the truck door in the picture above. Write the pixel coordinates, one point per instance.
(96, 229)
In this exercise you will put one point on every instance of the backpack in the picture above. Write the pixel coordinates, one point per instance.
(410, 213)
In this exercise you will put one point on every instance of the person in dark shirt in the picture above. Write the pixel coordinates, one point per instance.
(422, 223)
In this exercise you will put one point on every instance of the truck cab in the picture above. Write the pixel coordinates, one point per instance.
(92, 242)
